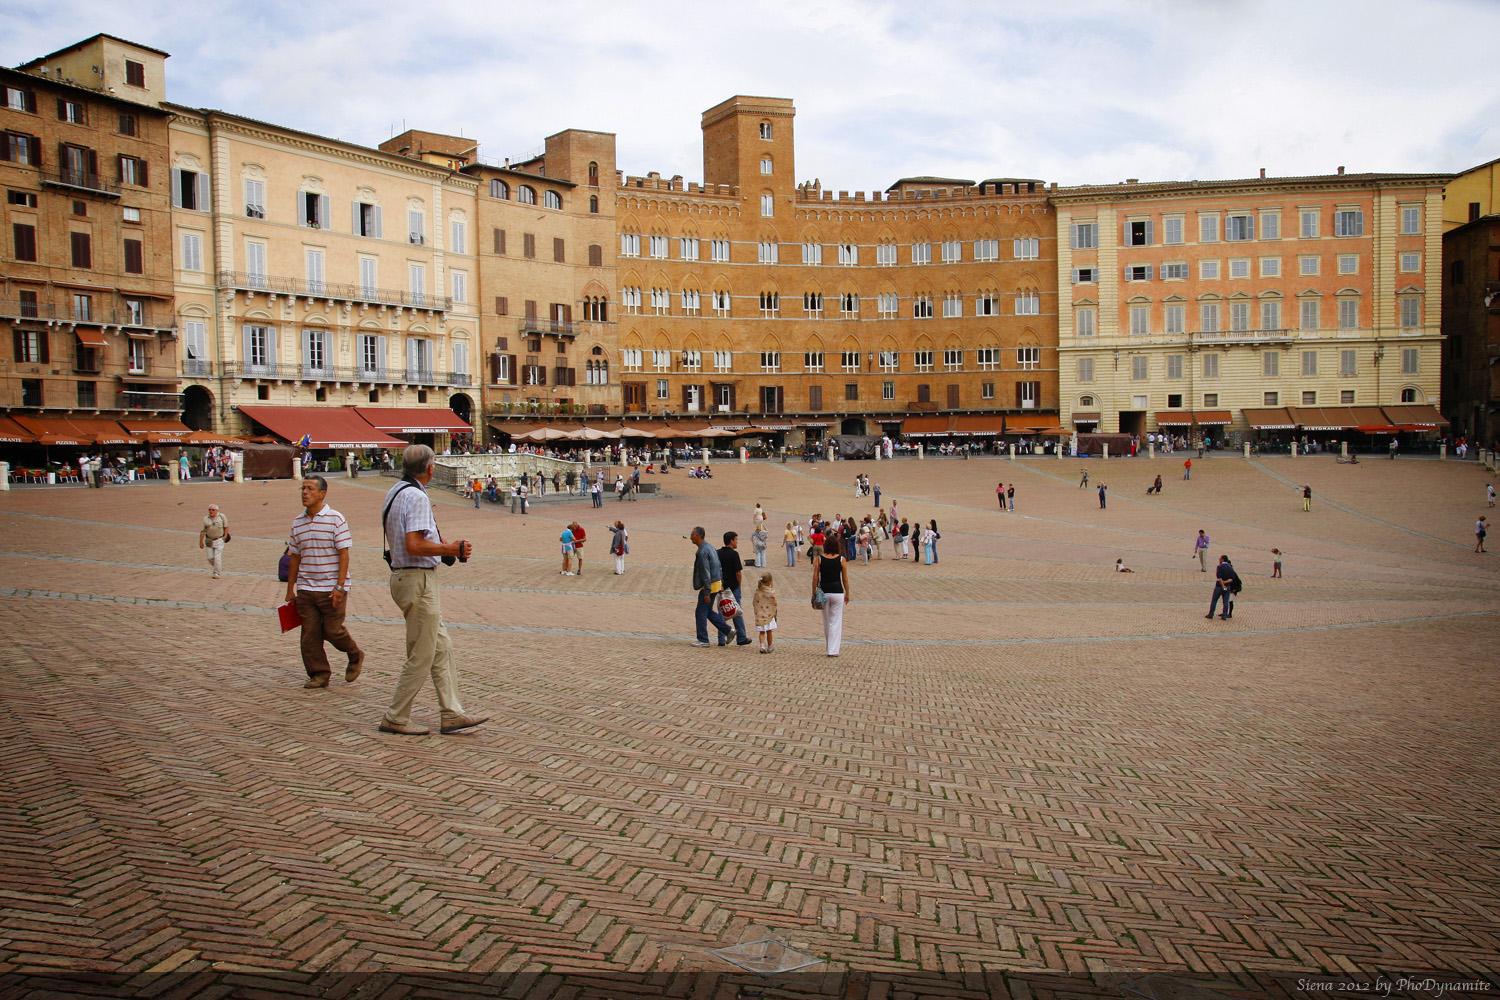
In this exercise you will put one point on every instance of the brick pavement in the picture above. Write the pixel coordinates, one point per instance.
(1023, 761)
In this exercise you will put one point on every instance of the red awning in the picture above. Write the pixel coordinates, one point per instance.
(978, 423)
(1415, 417)
(1029, 425)
(1210, 417)
(1322, 418)
(324, 426)
(1085, 416)
(1270, 418)
(98, 430)
(13, 433)
(54, 430)
(413, 420)
(163, 431)
(1174, 418)
(925, 426)
(90, 336)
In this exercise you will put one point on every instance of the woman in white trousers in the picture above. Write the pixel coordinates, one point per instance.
(831, 574)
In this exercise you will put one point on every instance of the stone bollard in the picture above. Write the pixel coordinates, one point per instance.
(1012, 451)
(296, 469)
(830, 453)
(1061, 449)
(1247, 449)
(879, 452)
(1443, 450)
(1294, 448)
(4, 476)
(588, 455)
(174, 474)
(744, 455)
(1106, 451)
(920, 452)
(1150, 449)
(239, 468)
(1343, 449)
(351, 466)
(707, 460)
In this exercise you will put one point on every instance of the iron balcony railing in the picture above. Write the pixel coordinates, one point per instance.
(459, 378)
(329, 373)
(19, 309)
(80, 180)
(197, 366)
(246, 281)
(565, 328)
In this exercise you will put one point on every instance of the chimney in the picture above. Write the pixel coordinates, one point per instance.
(1341, 171)
(1262, 173)
(1132, 180)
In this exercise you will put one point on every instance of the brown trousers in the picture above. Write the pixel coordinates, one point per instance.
(321, 623)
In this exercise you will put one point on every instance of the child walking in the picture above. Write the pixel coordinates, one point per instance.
(1276, 564)
(764, 604)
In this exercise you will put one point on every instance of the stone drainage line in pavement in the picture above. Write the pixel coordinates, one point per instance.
(268, 613)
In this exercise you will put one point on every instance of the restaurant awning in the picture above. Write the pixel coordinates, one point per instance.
(513, 428)
(13, 433)
(1174, 418)
(72, 431)
(1210, 418)
(413, 419)
(1371, 420)
(1029, 425)
(1415, 417)
(978, 423)
(90, 336)
(1322, 418)
(925, 426)
(164, 431)
(1085, 416)
(1272, 418)
(98, 430)
(323, 426)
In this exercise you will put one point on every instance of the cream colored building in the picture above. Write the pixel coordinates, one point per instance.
(1196, 305)
(315, 272)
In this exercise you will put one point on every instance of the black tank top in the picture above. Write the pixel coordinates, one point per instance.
(830, 579)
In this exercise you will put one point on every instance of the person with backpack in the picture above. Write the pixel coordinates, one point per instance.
(1226, 585)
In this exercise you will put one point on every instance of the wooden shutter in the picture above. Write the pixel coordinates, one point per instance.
(301, 208)
(502, 305)
(952, 397)
(531, 309)
(596, 255)
(494, 369)
(354, 220)
(381, 357)
(567, 312)
(557, 250)
(62, 110)
(541, 374)
(134, 263)
(203, 193)
(245, 346)
(379, 222)
(685, 398)
(306, 349)
(572, 376)
(83, 252)
(500, 241)
(44, 342)
(924, 393)
(529, 245)
(142, 173)
(514, 371)
(20, 344)
(273, 336)
(176, 188)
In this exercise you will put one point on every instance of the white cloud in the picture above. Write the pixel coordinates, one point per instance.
(1075, 92)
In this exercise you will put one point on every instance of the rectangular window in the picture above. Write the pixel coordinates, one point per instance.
(687, 248)
(986, 390)
(1309, 314)
(1138, 272)
(723, 361)
(1270, 364)
(23, 241)
(985, 304)
(1028, 358)
(528, 246)
(1138, 233)
(458, 236)
(885, 254)
(1210, 399)
(1174, 366)
(1238, 228)
(416, 282)
(1210, 366)
(1208, 270)
(313, 260)
(72, 112)
(1346, 396)
(767, 206)
(1270, 225)
(886, 304)
(1085, 275)
(1411, 308)
(1410, 359)
(1140, 368)
(83, 251)
(887, 390)
(1309, 363)
(721, 302)
(661, 302)
(988, 358)
(1027, 394)
(1140, 320)
(1239, 316)
(848, 254)
(255, 198)
(952, 251)
(1348, 263)
(922, 360)
(132, 171)
(1309, 223)
(1269, 398)
(953, 305)
(1027, 248)
(1239, 267)
(921, 253)
(1270, 267)
(691, 303)
(31, 347)
(851, 391)
(1309, 397)
(460, 287)
(1270, 315)
(312, 210)
(1349, 222)
(815, 397)
(17, 147)
(1084, 322)
(83, 306)
(718, 250)
(1411, 220)
(986, 250)
(1208, 317)
(135, 262)
(136, 358)
(661, 360)
(1085, 235)
(692, 361)
(559, 250)
(953, 359)
(135, 73)
(1174, 272)
(1085, 369)
(656, 247)
(1176, 318)
(19, 99)
(1208, 227)
(370, 359)
(812, 303)
(812, 361)
(1411, 262)
(1348, 314)
(367, 276)
(1172, 230)
(1347, 363)
(1309, 266)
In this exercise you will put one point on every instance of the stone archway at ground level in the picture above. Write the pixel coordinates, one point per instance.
(852, 425)
(198, 408)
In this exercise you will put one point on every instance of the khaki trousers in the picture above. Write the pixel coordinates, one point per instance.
(429, 653)
(215, 553)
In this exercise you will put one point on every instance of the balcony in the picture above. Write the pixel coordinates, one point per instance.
(18, 309)
(556, 327)
(459, 378)
(422, 376)
(197, 367)
(139, 399)
(1241, 336)
(244, 281)
(318, 373)
(86, 361)
(80, 180)
(309, 373)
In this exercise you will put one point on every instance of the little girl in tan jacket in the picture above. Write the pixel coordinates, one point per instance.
(764, 604)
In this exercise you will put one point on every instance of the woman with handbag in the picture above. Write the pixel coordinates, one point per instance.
(831, 594)
(619, 546)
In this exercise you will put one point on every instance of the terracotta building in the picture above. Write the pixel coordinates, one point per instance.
(1292, 304)
(927, 308)
(85, 251)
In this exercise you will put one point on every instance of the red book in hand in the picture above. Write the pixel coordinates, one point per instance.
(290, 619)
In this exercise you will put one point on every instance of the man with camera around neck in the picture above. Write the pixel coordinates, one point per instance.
(416, 547)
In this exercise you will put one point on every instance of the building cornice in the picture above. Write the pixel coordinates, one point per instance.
(1086, 194)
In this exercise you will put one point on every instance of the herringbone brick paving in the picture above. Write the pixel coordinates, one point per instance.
(1022, 761)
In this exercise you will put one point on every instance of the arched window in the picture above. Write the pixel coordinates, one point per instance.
(765, 130)
(526, 194)
(499, 189)
(1085, 400)
(593, 174)
(551, 199)
(593, 204)
(1408, 395)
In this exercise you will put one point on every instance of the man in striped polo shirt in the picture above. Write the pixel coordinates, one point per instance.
(318, 583)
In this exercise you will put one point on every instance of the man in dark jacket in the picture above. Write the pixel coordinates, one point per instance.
(1226, 585)
(733, 568)
(707, 581)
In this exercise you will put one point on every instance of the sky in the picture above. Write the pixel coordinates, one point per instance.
(1071, 91)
